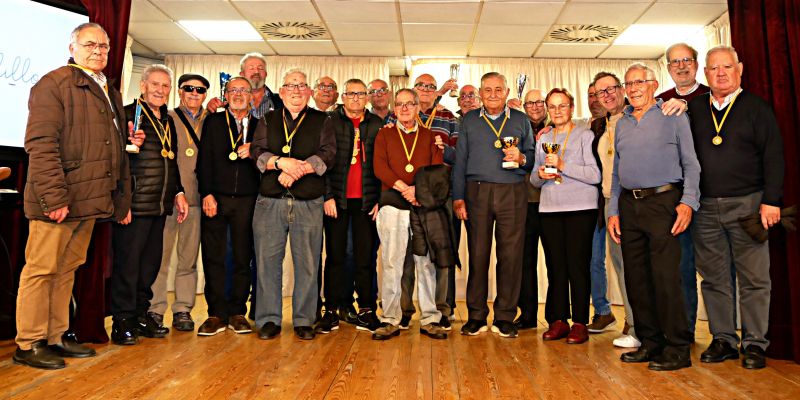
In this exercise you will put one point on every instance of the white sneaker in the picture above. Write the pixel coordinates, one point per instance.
(627, 341)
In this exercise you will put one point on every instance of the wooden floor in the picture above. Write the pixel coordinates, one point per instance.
(347, 364)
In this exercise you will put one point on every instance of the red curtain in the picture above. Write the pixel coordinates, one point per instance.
(766, 35)
(113, 16)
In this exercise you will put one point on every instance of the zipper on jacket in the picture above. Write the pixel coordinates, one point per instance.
(164, 186)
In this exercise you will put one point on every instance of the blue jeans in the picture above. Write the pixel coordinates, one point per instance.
(274, 220)
(597, 269)
(689, 276)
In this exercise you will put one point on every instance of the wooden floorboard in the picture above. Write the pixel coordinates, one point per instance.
(347, 364)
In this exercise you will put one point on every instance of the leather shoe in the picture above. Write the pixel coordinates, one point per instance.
(69, 347)
(719, 351)
(671, 359)
(579, 334)
(182, 321)
(557, 330)
(524, 323)
(239, 324)
(269, 331)
(640, 355)
(148, 326)
(39, 356)
(754, 358)
(304, 332)
(122, 333)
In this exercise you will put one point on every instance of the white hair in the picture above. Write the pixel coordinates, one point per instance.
(157, 68)
(292, 71)
(719, 48)
(73, 38)
(249, 56)
(649, 73)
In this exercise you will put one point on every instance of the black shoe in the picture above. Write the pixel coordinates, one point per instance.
(328, 323)
(504, 329)
(670, 360)
(269, 331)
(304, 332)
(182, 321)
(754, 357)
(640, 355)
(405, 321)
(148, 326)
(444, 323)
(473, 327)
(123, 332)
(39, 356)
(719, 351)
(347, 314)
(366, 320)
(69, 347)
(524, 323)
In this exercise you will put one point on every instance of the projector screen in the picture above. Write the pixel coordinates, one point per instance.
(35, 41)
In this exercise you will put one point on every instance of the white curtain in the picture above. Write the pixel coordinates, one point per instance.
(127, 67)
(719, 32)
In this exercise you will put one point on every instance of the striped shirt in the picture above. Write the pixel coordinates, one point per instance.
(444, 122)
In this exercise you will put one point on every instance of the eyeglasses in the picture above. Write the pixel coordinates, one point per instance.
(425, 87)
(378, 92)
(353, 95)
(637, 83)
(197, 89)
(468, 96)
(238, 90)
(292, 87)
(677, 61)
(326, 88)
(91, 46)
(559, 107)
(537, 103)
(607, 91)
(409, 104)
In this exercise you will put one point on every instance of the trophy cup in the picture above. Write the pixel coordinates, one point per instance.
(509, 142)
(550, 148)
(137, 123)
(522, 79)
(454, 68)
(223, 81)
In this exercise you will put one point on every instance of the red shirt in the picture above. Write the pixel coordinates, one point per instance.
(354, 173)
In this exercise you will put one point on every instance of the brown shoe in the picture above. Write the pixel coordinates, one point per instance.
(211, 327)
(239, 324)
(433, 331)
(578, 334)
(602, 323)
(557, 330)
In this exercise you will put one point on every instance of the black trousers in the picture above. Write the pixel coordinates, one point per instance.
(137, 259)
(336, 274)
(652, 259)
(529, 290)
(500, 207)
(234, 215)
(567, 240)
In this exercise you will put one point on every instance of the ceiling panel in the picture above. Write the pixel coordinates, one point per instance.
(158, 30)
(275, 11)
(173, 46)
(366, 48)
(605, 14)
(691, 14)
(518, 13)
(357, 11)
(502, 49)
(444, 12)
(437, 32)
(444, 49)
(360, 32)
(304, 48)
(142, 10)
(488, 33)
(569, 50)
(198, 10)
(240, 48)
(634, 52)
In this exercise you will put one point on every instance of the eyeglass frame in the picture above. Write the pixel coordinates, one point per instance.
(406, 105)
(295, 86)
(538, 103)
(352, 95)
(378, 92)
(425, 87)
(676, 62)
(91, 46)
(607, 91)
(637, 83)
(238, 90)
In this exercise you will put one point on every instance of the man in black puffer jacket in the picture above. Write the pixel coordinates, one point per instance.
(138, 239)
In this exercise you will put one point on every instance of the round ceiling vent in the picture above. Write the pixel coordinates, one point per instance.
(583, 33)
(293, 30)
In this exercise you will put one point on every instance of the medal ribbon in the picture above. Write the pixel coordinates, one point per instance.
(233, 142)
(503, 125)
(718, 126)
(357, 140)
(166, 137)
(289, 137)
(428, 122)
(403, 141)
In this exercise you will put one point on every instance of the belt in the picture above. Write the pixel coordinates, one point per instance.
(642, 193)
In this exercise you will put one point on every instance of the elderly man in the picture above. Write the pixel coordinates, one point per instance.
(741, 151)
(351, 207)
(228, 188)
(379, 96)
(325, 94)
(293, 151)
(655, 171)
(468, 100)
(400, 152)
(493, 197)
(253, 67)
(157, 189)
(72, 109)
(186, 236)
(595, 106)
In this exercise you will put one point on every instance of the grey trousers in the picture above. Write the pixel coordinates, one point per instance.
(186, 237)
(443, 289)
(717, 235)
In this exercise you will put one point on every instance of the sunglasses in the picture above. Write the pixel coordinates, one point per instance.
(190, 88)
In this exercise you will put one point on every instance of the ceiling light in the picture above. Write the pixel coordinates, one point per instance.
(222, 31)
(657, 35)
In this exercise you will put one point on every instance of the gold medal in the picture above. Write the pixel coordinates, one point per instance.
(286, 149)
(497, 144)
(189, 152)
(233, 156)
(717, 140)
(409, 168)
(353, 161)
(171, 155)
(164, 153)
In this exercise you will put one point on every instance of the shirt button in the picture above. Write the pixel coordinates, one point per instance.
(102, 111)
(108, 173)
(108, 142)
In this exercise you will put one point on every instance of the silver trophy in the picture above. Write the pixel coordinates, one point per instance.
(454, 68)
(522, 79)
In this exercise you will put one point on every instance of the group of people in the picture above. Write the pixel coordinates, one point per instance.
(665, 177)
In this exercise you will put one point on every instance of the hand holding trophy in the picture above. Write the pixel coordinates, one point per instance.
(454, 69)
(136, 125)
(510, 142)
(551, 165)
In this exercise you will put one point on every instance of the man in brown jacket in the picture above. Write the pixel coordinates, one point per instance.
(78, 173)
